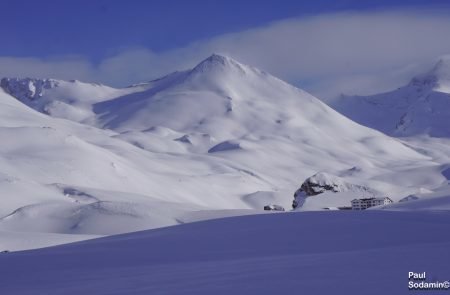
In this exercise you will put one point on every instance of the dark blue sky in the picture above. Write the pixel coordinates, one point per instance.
(97, 29)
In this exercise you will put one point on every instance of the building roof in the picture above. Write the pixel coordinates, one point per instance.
(370, 199)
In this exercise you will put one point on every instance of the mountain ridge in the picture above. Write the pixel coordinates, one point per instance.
(225, 136)
(421, 107)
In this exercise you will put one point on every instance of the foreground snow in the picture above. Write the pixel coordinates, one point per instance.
(368, 252)
(15, 240)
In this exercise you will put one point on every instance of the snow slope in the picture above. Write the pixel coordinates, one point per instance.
(421, 107)
(369, 252)
(61, 177)
(71, 100)
(222, 136)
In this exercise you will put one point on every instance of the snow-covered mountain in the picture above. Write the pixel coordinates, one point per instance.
(92, 160)
(71, 100)
(421, 107)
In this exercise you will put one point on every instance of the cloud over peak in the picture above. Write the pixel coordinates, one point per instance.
(350, 52)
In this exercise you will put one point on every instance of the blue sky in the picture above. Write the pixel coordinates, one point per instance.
(141, 39)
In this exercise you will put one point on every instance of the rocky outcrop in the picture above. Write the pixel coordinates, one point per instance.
(323, 182)
(27, 88)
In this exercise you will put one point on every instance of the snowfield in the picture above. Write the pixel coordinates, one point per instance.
(368, 252)
(163, 163)
(221, 136)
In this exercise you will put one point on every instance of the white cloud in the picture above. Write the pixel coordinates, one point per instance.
(63, 68)
(328, 54)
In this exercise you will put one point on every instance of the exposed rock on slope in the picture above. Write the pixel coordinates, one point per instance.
(323, 182)
(27, 89)
(71, 100)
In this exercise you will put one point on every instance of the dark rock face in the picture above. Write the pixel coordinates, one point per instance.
(312, 189)
(317, 184)
(27, 88)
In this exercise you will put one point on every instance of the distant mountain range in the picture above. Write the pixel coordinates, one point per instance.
(420, 107)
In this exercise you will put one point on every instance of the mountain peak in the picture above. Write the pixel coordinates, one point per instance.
(217, 61)
(442, 68)
(218, 58)
(439, 74)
